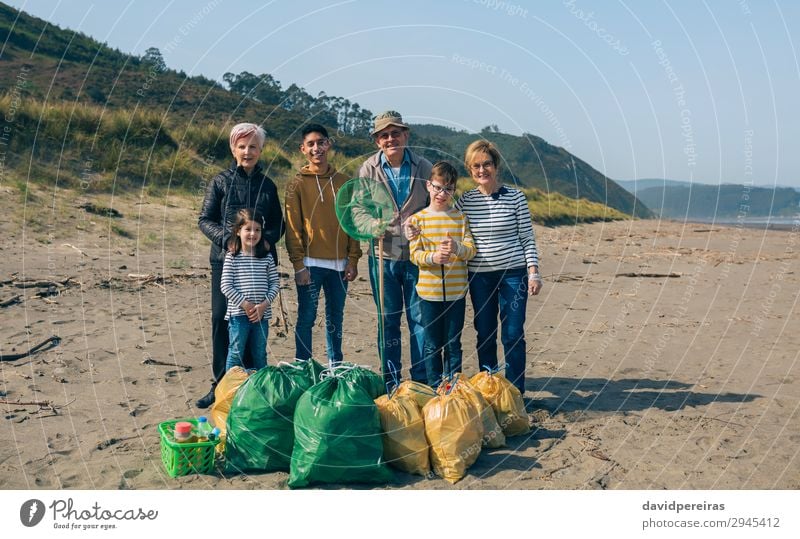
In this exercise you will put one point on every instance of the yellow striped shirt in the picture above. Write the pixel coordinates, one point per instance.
(441, 282)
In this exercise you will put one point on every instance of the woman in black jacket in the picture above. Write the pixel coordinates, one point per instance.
(244, 185)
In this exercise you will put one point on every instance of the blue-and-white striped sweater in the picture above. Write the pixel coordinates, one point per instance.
(246, 277)
(501, 229)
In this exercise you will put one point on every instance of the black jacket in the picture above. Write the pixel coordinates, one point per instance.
(229, 192)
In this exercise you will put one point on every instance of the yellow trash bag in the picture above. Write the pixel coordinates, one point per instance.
(418, 391)
(493, 436)
(506, 400)
(223, 398)
(453, 433)
(404, 443)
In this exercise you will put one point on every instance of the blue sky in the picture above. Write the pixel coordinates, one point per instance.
(692, 90)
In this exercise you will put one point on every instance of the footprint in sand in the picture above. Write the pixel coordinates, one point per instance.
(135, 411)
(130, 474)
(71, 481)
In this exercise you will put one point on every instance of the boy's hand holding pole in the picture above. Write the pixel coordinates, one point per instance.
(449, 245)
(441, 258)
(447, 250)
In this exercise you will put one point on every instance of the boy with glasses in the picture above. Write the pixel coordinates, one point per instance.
(441, 251)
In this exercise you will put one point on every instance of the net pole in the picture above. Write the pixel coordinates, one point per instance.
(380, 298)
(444, 290)
(445, 350)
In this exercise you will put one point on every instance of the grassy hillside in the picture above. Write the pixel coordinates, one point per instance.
(57, 65)
(80, 115)
(89, 149)
(532, 162)
(555, 209)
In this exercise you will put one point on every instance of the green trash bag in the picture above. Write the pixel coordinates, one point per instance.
(337, 437)
(260, 429)
(363, 377)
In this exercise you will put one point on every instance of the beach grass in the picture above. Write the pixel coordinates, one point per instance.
(93, 150)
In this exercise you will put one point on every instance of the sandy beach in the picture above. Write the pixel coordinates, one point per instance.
(661, 355)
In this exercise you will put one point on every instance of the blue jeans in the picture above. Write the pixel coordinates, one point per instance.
(332, 283)
(399, 290)
(244, 334)
(505, 291)
(443, 321)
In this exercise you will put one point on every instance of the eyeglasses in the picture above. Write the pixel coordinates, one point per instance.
(385, 135)
(438, 189)
(486, 165)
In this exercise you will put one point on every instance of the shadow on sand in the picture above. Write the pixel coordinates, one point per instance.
(626, 395)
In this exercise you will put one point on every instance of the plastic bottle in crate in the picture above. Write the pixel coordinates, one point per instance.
(203, 429)
(183, 432)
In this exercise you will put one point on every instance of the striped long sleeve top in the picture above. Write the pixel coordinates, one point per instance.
(246, 277)
(501, 228)
(434, 227)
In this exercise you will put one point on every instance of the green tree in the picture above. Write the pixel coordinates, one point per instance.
(153, 57)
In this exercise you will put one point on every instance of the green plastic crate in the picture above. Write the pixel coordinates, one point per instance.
(185, 458)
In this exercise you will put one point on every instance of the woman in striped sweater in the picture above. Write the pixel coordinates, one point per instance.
(505, 269)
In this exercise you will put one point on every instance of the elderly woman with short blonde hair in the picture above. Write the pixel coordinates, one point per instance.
(505, 269)
(243, 185)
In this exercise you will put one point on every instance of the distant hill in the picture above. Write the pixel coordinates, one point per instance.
(188, 117)
(699, 201)
(632, 186)
(533, 162)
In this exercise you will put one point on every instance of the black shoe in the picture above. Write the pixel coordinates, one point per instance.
(208, 400)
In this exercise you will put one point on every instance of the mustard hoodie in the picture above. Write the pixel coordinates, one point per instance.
(312, 228)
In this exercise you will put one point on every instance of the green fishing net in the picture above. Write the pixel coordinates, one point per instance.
(364, 208)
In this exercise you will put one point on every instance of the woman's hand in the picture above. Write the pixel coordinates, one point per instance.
(534, 283)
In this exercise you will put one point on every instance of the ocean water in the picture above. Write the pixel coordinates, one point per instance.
(781, 223)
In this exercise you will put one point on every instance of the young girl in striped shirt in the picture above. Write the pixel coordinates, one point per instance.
(441, 251)
(250, 282)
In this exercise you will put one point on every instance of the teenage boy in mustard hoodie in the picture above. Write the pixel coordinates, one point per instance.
(324, 257)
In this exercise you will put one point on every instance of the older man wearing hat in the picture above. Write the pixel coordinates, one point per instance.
(404, 174)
